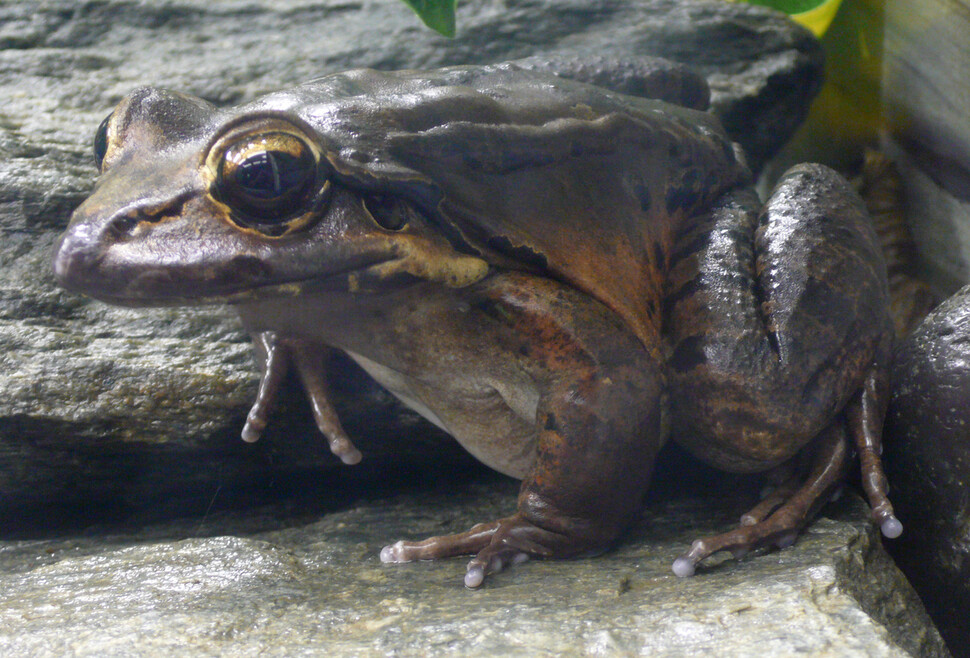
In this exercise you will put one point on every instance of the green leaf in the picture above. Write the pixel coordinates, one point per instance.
(439, 15)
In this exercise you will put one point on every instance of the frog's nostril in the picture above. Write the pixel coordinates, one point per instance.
(123, 225)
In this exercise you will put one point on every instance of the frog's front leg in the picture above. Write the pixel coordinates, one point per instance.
(275, 354)
(781, 342)
(598, 432)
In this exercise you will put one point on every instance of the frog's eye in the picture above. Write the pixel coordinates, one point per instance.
(390, 212)
(101, 142)
(267, 179)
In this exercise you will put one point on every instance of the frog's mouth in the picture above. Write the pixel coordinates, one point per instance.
(244, 278)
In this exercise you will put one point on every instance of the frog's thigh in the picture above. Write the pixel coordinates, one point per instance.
(776, 317)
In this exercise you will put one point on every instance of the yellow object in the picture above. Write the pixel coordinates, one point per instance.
(818, 20)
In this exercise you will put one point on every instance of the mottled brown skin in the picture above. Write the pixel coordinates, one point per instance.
(556, 274)
(879, 185)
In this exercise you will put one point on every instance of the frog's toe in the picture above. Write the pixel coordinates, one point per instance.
(771, 501)
(780, 529)
(684, 567)
(491, 559)
(253, 429)
(442, 546)
(891, 527)
(786, 539)
(515, 541)
(394, 553)
(344, 449)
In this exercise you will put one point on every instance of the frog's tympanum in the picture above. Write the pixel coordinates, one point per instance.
(558, 275)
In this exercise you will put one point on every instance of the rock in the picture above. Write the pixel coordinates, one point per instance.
(925, 60)
(262, 584)
(118, 412)
(927, 457)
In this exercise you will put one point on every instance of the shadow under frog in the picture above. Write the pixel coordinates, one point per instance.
(558, 275)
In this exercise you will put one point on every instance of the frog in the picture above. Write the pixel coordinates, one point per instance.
(561, 276)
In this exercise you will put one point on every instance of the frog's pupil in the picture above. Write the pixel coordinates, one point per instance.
(271, 174)
(101, 142)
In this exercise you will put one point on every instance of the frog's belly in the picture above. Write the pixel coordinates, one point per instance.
(497, 428)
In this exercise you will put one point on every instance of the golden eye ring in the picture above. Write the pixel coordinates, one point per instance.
(267, 179)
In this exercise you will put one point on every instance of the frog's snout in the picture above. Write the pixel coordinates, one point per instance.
(76, 258)
(95, 257)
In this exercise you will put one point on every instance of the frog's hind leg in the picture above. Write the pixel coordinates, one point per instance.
(784, 512)
(779, 328)
(785, 509)
(865, 419)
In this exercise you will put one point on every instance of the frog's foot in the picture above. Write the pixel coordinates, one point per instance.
(498, 544)
(865, 424)
(780, 516)
(276, 354)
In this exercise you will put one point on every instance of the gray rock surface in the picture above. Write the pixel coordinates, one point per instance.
(927, 459)
(139, 410)
(264, 585)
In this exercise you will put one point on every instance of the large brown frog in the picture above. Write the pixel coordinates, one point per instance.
(558, 275)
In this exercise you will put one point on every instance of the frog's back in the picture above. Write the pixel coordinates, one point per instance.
(529, 169)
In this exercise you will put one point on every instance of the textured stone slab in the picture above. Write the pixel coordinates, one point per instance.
(245, 586)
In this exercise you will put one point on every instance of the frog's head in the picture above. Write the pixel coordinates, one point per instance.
(195, 204)
(365, 180)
